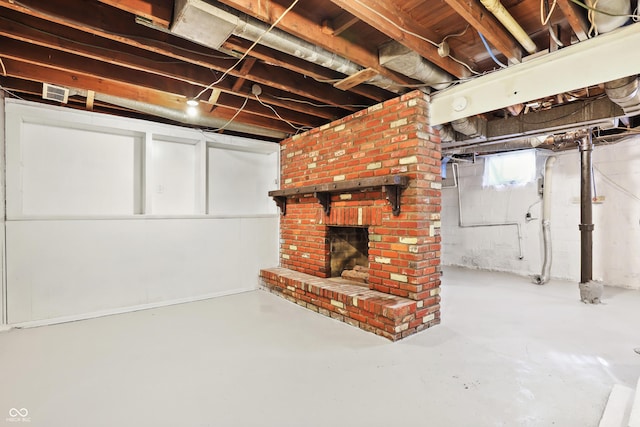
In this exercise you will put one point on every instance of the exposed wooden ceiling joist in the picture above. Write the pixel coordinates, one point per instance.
(64, 61)
(244, 70)
(157, 11)
(355, 79)
(24, 70)
(339, 24)
(160, 12)
(576, 19)
(476, 15)
(386, 16)
(302, 67)
(130, 56)
(293, 23)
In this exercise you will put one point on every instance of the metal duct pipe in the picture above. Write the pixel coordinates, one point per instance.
(503, 15)
(590, 291)
(625, 92)
(546, 223)
(446, 132)
(397, 57)
(225, 21)
(619, 11)
(469, 126)
(181, 116)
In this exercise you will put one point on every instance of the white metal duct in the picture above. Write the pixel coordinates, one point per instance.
(211, 25)
(403, 60)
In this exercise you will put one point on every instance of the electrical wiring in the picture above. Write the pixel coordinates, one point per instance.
(297, 128)
(545, 20)
(488, 48)
(255, 43)
(593, 29)
(616, 185)
(456, 35)
(380, 15)
(411, 33)
(223, 127)
(11, 93)
(106, 49)
(471, 70)
(554, 36)
(112, 33)
(330, 81)
(302, 101)
(633, 16)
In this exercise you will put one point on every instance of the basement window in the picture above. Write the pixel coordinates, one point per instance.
(509, 169)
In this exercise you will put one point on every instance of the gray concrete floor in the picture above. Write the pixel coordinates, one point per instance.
(508, 353)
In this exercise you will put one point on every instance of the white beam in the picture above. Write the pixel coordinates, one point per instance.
(606, 57)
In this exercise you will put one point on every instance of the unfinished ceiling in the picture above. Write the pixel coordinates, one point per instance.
(270, 69)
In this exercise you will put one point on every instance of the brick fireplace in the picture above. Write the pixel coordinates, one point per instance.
(377, 170)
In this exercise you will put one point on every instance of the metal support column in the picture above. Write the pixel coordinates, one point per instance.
(590, 292)
(586, 217)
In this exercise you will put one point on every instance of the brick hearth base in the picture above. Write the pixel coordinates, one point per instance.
(383, 314)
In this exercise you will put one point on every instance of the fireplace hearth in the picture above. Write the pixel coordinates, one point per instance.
(363, 193)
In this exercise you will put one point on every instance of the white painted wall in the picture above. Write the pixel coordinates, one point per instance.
(106, 214)
(617, 220)
(3, 283)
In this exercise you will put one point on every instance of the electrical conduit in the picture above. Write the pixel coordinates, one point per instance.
(462, 224)
(543, 278)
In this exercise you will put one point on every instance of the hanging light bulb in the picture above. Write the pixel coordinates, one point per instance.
(192, 111)
(192, 103)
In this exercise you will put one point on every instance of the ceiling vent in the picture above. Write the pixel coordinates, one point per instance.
(203, 23)
(55, 93)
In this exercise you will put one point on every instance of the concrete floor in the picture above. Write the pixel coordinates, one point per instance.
(508, 353)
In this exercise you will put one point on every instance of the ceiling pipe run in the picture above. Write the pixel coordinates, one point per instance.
(616, 14)
(182, 116)
(211, 25)
(545, 275)
(626, 93)
(503, 15)
(397, 57)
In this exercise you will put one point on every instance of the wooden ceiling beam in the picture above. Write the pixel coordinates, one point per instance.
(355, 79)
(39, 73)
(386, 16)
(246, 67)
(575, 18)
(339, 24)
(90, 99)
(293, 23)
(73, 64)
(39, 32)
(477, 16)
(300, 66)
(94, 21)
(159, 12)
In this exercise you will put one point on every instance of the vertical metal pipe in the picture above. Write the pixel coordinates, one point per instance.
(586, 218)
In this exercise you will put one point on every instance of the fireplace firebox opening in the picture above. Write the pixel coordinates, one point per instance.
(349, 252)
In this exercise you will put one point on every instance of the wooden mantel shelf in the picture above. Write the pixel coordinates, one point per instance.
(391, 184)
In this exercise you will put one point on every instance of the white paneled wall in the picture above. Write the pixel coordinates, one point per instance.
(106, 214)
(617, 219)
